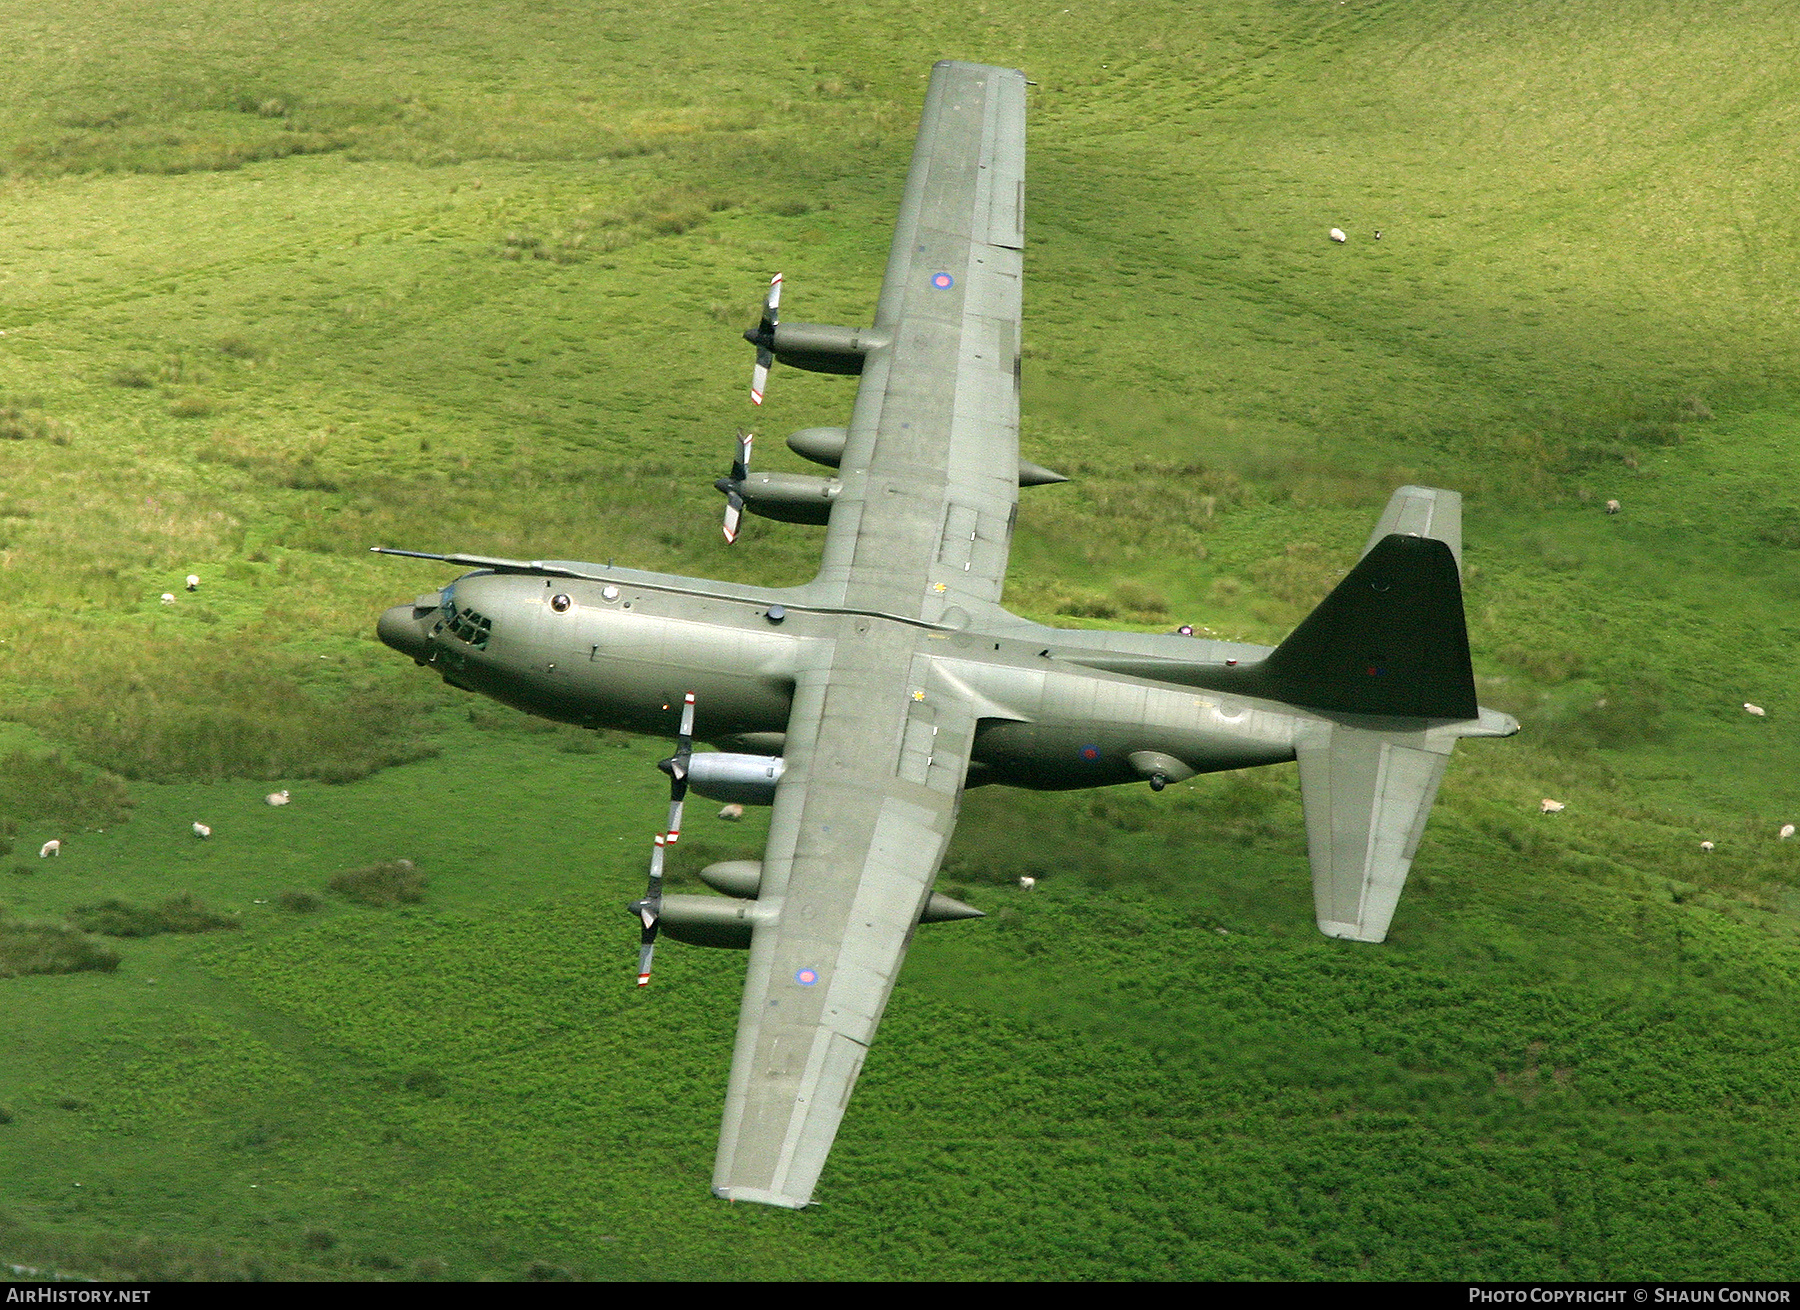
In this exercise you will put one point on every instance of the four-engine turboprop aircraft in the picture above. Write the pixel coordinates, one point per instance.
(861, 704)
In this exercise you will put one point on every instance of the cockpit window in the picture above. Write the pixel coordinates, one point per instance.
(467, 625)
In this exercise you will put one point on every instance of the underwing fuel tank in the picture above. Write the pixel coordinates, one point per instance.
(826, 446)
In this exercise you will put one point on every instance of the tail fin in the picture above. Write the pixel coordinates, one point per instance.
(1390, 641)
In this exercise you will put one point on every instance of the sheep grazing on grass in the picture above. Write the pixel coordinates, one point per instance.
(276, 798)
(193, 582)
(1548, 806)
(1612, 507)
(1706, 846)
(1787, 830)
(49, 848)
(1337, 235)
(168, 598)
(732, 813)
(1757, 710)
(1027, 882)
(202, 831)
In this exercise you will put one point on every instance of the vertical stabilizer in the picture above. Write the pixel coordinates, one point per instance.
(1422, 512)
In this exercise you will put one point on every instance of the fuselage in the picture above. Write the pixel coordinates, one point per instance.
(620, 648)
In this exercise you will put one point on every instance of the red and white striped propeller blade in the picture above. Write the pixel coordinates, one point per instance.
(650, 911)
(731, 486)
(678, 768)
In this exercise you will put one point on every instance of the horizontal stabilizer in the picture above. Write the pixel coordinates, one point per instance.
(1367, 795)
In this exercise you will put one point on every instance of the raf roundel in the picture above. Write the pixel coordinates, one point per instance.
(807, 977)
(943, 281)
(1090, 752)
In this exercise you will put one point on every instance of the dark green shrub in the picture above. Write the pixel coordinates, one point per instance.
(383, 886)
(51, 948)
(116, 918)
(299, 902)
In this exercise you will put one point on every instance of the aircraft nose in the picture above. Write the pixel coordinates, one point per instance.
(406, 634)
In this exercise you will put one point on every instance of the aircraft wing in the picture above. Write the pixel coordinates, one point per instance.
(878, 741)
(930, 468)
(876, 752)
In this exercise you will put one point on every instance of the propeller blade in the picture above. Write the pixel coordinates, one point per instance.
(732, 486)
(763, 337)
(774, 303)
(678, 767)
(650, 911)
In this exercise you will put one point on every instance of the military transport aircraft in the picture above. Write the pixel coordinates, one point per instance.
(861, 704)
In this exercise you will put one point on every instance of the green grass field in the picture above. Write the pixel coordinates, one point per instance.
(281, 283)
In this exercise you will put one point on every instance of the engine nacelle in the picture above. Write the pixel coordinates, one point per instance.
(790, 497)
(822, 348)
(709, 921)
(740, 779)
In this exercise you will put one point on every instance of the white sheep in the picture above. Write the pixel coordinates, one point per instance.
(202, 831)
(1026, 882)
(1337, 235)
(193, 582)
(1706, 846)
(49, 848)
(1548, 806)
(1757, 710)
(168, 598)
(732, 813)
(1612, 507)
(1787, 830)
(276, 798)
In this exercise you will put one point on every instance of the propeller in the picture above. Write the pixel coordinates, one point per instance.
(733, 486)
(676, 766)
(649, 909)
(762, 336)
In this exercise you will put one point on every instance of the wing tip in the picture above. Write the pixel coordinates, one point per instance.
(1350, 932)
(761, 1196)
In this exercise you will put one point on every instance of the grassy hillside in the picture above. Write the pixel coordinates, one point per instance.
(284, 282)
